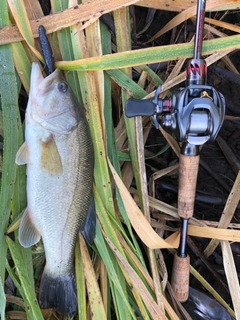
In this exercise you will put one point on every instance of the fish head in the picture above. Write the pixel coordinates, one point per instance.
(52, 104)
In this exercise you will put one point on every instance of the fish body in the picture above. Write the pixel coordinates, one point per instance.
(59, 156)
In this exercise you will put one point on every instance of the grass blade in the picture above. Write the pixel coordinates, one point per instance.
(149, 55)
(138, 221)
(94, 295)
(10, 117)
(19, 13)
(113, 274)
(227, 214)
(24, 278)
(2, 299)
(80, 281)
(232, 277)
(127, 83)
(18, 286)
(152, 306)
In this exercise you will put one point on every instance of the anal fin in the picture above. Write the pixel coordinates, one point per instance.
(28, 235)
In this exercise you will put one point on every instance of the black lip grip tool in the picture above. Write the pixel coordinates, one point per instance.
(195, 114)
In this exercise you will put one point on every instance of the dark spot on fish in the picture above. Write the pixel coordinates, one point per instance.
(62, 86)
(75, 7)
(100, 153)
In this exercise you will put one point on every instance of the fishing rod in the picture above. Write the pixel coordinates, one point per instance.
(195, 114)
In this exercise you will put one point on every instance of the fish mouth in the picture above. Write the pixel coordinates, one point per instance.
(43, 108)
(39, 84)
(40, 87)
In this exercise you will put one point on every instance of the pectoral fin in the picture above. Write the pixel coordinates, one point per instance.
(22, 155)
(50, 158)
(28, 235)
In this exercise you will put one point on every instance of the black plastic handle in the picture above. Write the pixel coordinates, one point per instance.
(135, 107)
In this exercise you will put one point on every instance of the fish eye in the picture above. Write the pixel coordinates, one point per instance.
(62, 86)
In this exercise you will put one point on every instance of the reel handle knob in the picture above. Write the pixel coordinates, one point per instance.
(135, 107)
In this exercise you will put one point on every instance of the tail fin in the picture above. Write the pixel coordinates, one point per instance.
(58, 293)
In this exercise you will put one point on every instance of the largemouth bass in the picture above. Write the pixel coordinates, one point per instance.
(59, 156)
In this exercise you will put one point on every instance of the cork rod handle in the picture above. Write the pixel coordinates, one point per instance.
(180, 277)
(188, 171)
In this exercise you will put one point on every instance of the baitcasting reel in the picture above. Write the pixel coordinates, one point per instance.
(196, 119)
